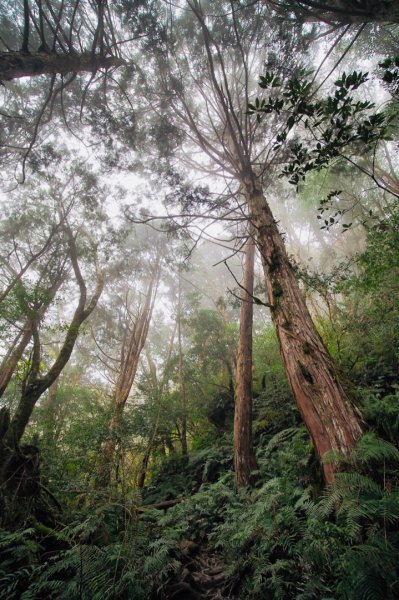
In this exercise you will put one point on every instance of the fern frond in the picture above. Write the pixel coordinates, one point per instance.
(372, 448)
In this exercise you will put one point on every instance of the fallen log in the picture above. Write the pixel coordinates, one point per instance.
(160, 505)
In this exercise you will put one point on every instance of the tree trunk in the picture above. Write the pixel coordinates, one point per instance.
(244, 456)
(35, 384)
(14, 65)
(182, 383)
(332, 421)
(103, 478)
(130, 356)
(14, 355)
(147, 454)
(343, 12)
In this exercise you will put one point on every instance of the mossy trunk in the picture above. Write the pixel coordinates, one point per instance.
(331, 419)
(108, 462)
(12, 358)
(9, 443)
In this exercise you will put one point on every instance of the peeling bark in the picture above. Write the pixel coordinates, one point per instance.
(331, 419)
(130, 356)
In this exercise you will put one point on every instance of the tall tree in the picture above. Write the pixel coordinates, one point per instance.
(182, 381)
(35, 383)
(135, 326)
(207, 83)
(244, 455)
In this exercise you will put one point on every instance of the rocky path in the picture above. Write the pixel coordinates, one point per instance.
(202, 577)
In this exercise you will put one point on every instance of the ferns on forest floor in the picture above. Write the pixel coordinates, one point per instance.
(283, 540)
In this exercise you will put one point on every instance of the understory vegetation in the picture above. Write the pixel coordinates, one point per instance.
(287, 537)
(199, 300)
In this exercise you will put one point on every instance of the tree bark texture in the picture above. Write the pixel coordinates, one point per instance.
(14, 65)
(331, 419)
(244, 456)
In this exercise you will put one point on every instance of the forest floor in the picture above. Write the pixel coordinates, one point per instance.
(203, 575)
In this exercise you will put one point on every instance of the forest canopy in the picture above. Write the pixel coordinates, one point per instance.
(199, 299)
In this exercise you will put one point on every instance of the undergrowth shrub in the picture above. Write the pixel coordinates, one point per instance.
(286, 540)
(100, 562)
(179, 477)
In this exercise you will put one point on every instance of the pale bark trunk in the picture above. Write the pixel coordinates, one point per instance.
(14, 65)
(134, 344)
(182, 382)
(332, 421)
(244, 456)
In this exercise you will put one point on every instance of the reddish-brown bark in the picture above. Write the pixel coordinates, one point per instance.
(332, 421)
(244, 456)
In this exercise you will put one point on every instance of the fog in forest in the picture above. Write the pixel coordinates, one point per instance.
(199, 299)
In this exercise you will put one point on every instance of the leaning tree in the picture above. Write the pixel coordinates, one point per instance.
(202, 80)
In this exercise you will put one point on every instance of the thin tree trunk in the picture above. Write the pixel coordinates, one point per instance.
(244, 456)
(14, 65)
(332, 421)
(35, 384)
(14, 355)
(147, 454)
(130, 359)
(182, 383)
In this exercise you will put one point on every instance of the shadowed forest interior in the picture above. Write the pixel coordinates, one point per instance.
(199, 300)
